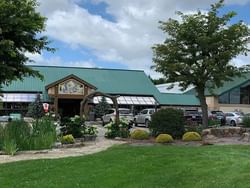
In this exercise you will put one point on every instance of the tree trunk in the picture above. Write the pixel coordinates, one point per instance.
(204, 108)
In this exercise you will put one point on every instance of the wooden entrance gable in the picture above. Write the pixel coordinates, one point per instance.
(69, 87)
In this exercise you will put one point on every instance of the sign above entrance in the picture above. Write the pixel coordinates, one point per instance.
(71, 87)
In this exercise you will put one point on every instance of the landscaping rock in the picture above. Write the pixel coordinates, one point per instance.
(245, 137)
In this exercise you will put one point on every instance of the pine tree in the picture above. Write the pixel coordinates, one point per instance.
(102, 107)
(35, 109)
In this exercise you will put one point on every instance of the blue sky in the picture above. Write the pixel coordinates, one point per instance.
(115, 34)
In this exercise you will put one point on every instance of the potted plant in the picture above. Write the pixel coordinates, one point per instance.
(90, 133)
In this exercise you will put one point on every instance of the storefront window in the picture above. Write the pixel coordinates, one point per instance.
(224, 99)
(235, 96)
(240, 95)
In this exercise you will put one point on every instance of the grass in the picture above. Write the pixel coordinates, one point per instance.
(136, 167)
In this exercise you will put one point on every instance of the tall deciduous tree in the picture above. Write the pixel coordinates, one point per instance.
(198, 50)
(20, 33)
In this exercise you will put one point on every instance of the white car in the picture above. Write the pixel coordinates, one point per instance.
(123, 113)
(144, 117)
(233, 118)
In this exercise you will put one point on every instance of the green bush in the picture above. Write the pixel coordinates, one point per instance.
(139, 134)
(191, 136)
(122, 130)
(22, 136)
(164, 138)
(214, 122)
(10, 147)
(246, 121)
(68, 139)
(1, 136)
(197, 129)
(43, 134)
(73, 126)
(20, 132)
(170, 121)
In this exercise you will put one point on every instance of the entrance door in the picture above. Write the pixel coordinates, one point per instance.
(69, 107)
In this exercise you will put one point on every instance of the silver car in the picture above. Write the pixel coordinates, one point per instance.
(123, 113)
(233, 118)
(144, 117)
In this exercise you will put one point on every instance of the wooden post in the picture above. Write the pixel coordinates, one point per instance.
(56, 101)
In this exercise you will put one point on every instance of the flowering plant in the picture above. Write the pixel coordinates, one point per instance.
(90, 130)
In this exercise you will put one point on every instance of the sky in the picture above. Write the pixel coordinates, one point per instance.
(117, 34)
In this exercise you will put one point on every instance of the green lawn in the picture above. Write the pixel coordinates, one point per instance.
(131, 166)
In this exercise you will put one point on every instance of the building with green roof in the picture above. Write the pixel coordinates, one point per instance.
(64, 87)
(234, 95)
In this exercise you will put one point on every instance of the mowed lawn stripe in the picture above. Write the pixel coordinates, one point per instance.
(136, 166)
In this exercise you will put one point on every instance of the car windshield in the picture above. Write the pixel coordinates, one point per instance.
(219, 113)
(191, 112)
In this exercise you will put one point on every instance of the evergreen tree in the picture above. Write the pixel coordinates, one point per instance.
(102, 108)
(35, 109)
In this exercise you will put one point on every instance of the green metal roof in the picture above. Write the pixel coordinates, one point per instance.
(227, 86)
(236, 82)
(112, 81)
(178, 99)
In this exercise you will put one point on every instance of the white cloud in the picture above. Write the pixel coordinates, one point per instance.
(129, 39)
(58, 61)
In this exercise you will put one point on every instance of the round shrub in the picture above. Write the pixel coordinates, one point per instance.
(68, 139)
(139, 134)
(164, 138)
(170, 121)
(191, 136)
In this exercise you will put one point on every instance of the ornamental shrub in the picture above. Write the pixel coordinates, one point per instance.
(20, 132)
(139, 134)
(68, 139)
(246, 121)
(43, 134)
(122, 130)
(167, 121)
(1, 136)
(72, 126)
(164, 138)
(191, 136)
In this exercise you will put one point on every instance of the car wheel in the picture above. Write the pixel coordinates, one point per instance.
(146, 123)
(233, 123)
(135, 123)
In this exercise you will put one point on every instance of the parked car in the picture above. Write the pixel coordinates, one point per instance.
(123, 113)
(219, 115)
(5, 118)
(233, 118)
(144, 117)
(193, 115)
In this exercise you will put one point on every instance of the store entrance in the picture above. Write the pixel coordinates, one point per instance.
(69, 107)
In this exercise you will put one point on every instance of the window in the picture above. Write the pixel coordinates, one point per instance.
(224, 99)
(151, 112)
(235, 96)
(144, 111)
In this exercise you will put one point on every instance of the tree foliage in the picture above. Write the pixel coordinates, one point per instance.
(199, 48)
(158, 81)
(20, 33)
(35, 109)
(102, 108)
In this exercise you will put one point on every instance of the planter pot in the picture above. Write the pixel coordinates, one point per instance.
(89, 137)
